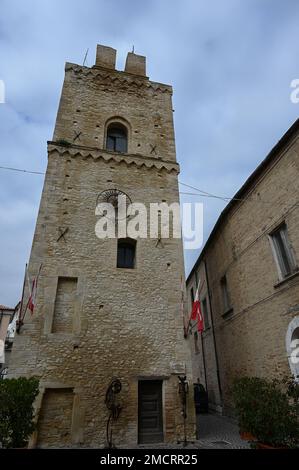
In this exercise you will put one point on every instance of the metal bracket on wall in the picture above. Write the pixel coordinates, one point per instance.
(62, 233)
(159, 242)
(113, 405)
(77, 136)
(153, 149)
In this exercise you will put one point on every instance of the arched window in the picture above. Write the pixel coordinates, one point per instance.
(117, 137)
(126, 249)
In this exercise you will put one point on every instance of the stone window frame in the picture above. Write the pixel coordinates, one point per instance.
(205, 312)
(166, 388)
(123, 122)
(227, 306)
(288, 248)
(50, 298)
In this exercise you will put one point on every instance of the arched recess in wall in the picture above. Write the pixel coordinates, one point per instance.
(292, 346)
(117, 136)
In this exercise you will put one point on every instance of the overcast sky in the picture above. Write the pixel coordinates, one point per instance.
(230, 63)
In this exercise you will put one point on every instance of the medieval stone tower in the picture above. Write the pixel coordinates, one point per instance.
(107, 309)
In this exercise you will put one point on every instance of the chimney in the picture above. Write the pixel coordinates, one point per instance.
(135, 64)
(105, 57)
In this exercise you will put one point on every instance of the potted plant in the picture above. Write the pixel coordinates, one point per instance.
(16, 411)
(245, 396)
(266, 410)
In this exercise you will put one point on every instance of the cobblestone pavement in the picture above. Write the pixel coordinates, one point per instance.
(214, 432)
(218, 432)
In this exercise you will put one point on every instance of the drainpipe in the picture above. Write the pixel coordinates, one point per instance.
(213, 332)
(204, 361)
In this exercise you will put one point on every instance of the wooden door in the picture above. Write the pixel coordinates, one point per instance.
(150, 415)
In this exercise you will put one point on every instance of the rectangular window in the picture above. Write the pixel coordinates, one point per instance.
(192, 296)
(126, 250)
(282, 251)
(64, 309)
(204, 307)
(225, 294)
(196, 342)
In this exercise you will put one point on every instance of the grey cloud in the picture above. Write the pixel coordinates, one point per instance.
(230, 63)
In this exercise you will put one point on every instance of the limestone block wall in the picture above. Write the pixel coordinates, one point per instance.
(64, 305)
(56, 418)
(91, 97)
(94, 321)
(251, 338)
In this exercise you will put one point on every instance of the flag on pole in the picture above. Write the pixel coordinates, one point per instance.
(31, 300)
(33, 290)
(19, 321)
(196, 311)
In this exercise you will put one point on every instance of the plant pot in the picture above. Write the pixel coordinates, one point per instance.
(247, 436)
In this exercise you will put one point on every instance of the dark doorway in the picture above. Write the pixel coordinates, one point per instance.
(150, 418)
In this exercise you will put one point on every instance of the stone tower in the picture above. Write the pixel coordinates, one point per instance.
(107, 309)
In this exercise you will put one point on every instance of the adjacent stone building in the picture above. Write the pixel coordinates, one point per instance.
(6, 338)
(107, 309)
(249, 280)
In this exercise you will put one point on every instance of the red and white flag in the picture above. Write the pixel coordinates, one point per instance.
(196, 311)
(33, 290)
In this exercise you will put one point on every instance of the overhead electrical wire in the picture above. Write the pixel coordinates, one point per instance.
(226, 198)
(200, 192)
(206, 194)
(21, 170)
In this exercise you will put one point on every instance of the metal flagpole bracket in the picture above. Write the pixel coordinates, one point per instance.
(183, 392)
(113, 405)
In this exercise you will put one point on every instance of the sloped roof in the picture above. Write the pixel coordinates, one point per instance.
(281, 144)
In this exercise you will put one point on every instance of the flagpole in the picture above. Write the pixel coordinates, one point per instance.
(201, 286)
(19, 321)
(197, 295)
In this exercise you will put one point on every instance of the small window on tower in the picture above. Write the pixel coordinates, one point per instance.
(192, 296)
(117, 138)
(126, 249)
